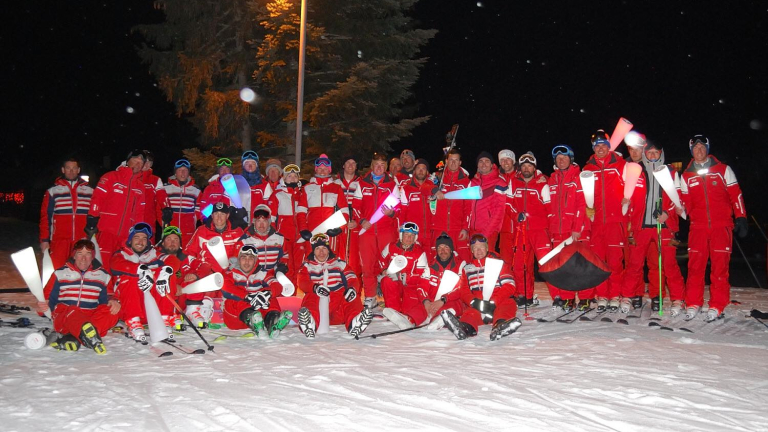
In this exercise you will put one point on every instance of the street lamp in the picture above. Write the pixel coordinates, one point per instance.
(300, 95)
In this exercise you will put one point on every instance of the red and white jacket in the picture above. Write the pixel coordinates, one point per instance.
(270, 247)
(196, 247)
(567, 206)
(452, 215)
(369, 197)
(318, 200)
(712, 199)
(431, 277)
(84, 289)
(415, 207)
(488, 212)
(152, 186)
(530, 198)
(118, 201)
(471, 283)
(417, 261)
(238, 283)
(183, 200)
(64, 210)
(333, 274)
(285, 201)
(609, 188)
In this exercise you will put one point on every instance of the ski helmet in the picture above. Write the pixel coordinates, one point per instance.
(409, 227)
(600, 137)
(698, 139)
(562, 149)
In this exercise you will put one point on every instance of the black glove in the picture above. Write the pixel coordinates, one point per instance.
(333, 232)
(238, 217)
(321, 290)
(741, 228)
(167, 216)
(281, 267)
(349, 294)
(757, 314)
(90, 226)
(485, 307)
(306, 234)
(521, 217)
(259, 299)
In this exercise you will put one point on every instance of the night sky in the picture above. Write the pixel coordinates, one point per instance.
(513, 74)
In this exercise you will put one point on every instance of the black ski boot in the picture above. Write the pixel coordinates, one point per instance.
(583, 304)
(637, 302)
(520, 301)
(567, 305)
(459, 329)
(276, 321)
(66, 343)
(655, 304)
(504, 328)
(557, 303)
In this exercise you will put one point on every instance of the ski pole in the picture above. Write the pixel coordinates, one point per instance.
(747, 261)
(758, 320)
(759, 228)
(525, 275)
(376, 335)
(178, 308)
(661, 273)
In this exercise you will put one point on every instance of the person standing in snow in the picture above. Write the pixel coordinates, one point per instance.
(499, 310)
(658, 208)
(152, 186)
(488, 212)
(274, 172)
(64, 212)
(408, 164)
(324, 275)
(79, 296)
(178, 202)
(285, 201)
(350, 183)
(712, 198)
(415, 193)
(508, 172)
(452, 216)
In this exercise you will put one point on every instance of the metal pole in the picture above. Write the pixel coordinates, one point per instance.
(300, 95)
(747, 261)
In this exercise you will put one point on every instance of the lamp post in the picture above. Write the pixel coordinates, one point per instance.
(300, 95)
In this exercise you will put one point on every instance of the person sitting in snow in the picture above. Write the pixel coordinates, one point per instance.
(399, 286)
(139, 268)
(446, 259)
(251, 296)
(500, 309)
(78, 295)
(324, 275)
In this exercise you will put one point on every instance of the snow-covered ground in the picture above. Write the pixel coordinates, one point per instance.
(584, 376)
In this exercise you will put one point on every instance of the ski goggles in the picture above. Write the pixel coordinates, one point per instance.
(323, 161)
(182, 163)
(319, 238)
(250, 154)
(291, 169)
(409, 227)
(84, 244)
(527, 158)
(260, 214)
(698, 139)
(141, 227)
(224, 162)
(562, 150)
(249, 250)
(170, 229)
(477, 238)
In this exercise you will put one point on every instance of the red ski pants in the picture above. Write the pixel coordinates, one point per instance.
(340, 311)
(132, 300)
(233, 309)
(506, 310)
(713, 244)
(108, 244)
(528, 244)
(70, 319)
(507, 246)
(608, 242)
(646, 246)
(371, 245)
(60, 250)
(352, 253)
(413, 307)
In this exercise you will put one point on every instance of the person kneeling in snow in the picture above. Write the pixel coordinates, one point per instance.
(325, 275)
(398, 282)
(500, 309)
(78, 297)
(138, 268)
(251, 296)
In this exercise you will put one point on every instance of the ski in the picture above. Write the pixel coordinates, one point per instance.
(221, 337)
(586, 318)
(12, 309)
(182, 348)
(542, 320)
(663, 327)
(160, 353)
(575, 319)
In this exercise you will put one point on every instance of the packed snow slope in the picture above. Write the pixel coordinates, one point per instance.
(584, 376)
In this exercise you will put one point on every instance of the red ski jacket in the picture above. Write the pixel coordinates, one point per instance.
(64, 210)
(532, 199)
(452, 215)
(488, 212)
(567, 207)
(712, 199)
(609, 187)
(118, 202)
(368, 199)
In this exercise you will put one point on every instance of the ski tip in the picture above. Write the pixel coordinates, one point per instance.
(667, 328)
(686, 330)
(654, 324)
(166, 354)
(199, 351)
(623, 321)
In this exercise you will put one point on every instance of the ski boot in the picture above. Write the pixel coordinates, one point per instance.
(602, 304)
(136, 330)
(677, 307)
(625, 305)
(90, 338)
(691, 312)
(306, 323)
(567, 305)
(637, 302)
(401, 321)
(613, 305)
(712, 315)
(253, 319)
(655, 304)
(459, 329)
(276, 321)
(583, 304)
(504, 328)
(360, 322)
(66, 343)
(557, 303)
(438, 323)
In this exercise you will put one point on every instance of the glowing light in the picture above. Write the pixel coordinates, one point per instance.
(247, 95)
(619, 132)
(588, 186)
(228, 181)
(631, 173)
(470, 193)
(129, 110)
(664, 178)
(632, 139)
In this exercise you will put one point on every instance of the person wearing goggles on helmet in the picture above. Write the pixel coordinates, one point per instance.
(403, 262)
(324, 275)
(319, 199)
(609, 233)
(285, 202)
(712, 198)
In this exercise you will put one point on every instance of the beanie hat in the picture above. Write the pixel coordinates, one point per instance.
(600, 137)
(444, 239)
(528, 157)
(220, 207)
(507, 154)
(262, 210)
(274, 163)
(409, 153)
(484, 154)
(422, 161)
(346, 158)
